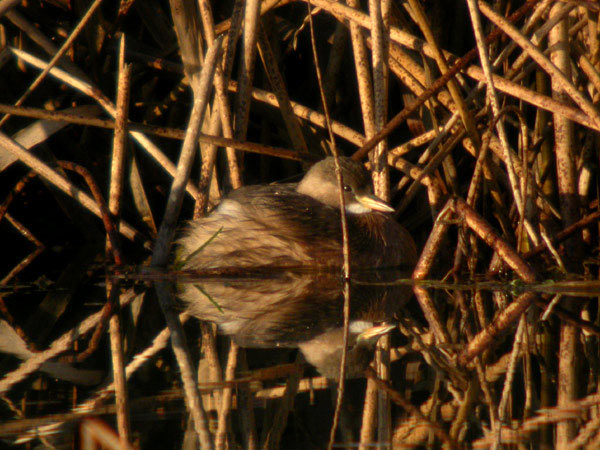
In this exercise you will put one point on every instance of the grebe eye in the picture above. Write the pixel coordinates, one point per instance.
(347, 188)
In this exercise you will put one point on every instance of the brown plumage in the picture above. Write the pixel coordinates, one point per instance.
(275, 225)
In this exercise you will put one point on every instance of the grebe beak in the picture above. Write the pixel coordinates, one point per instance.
(374, 333)
(373, 203)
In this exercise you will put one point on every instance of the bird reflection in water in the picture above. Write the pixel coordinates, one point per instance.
(300, 309)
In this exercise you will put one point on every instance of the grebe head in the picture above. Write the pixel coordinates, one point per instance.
(320, 183)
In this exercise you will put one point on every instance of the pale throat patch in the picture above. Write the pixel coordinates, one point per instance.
(357, 208)
(358, 326)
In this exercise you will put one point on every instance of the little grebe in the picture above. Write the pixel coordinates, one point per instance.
(298, 225)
